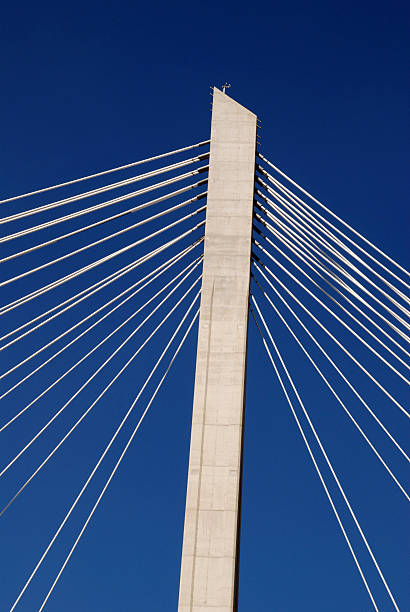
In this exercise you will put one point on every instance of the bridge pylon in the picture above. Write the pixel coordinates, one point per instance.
(210, 555)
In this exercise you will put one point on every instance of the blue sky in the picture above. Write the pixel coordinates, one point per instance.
(88, 86)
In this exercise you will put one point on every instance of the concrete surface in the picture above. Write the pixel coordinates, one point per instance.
(209, 556)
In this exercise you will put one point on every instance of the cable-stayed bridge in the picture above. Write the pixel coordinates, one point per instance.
(190, 244)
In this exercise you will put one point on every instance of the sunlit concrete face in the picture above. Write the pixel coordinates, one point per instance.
(209, 554)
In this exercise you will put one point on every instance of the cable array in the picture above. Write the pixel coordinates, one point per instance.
(88, 306)
(311, 265)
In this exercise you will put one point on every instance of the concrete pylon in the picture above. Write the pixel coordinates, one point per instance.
(211, 533)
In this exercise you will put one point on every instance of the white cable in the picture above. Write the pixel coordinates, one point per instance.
(91, 176)
(82, 417)
(117, 465)
(336, 253)
(346, 380)
(303, 236)
(316, 215)
(102, 221)
(298, 211)
(299, 243)
(86, 293)
(127, 196)
(312, 235)
(73, 367)
(346, 537)
(64, 279)
(157, 272)
(104, 239)
(98, 190)
(330, 212)
(314, 252)
(355, 334)
(318, 370)
(81, 322)
(352, 513)
(99, 462)
(295, 250)
(376, 382)
(27, 446)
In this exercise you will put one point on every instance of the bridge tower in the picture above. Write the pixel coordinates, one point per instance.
(210, 555)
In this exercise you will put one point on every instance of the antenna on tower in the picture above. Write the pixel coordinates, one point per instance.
(226, 86)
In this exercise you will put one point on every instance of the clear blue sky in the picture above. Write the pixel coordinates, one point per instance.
(87, 86)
